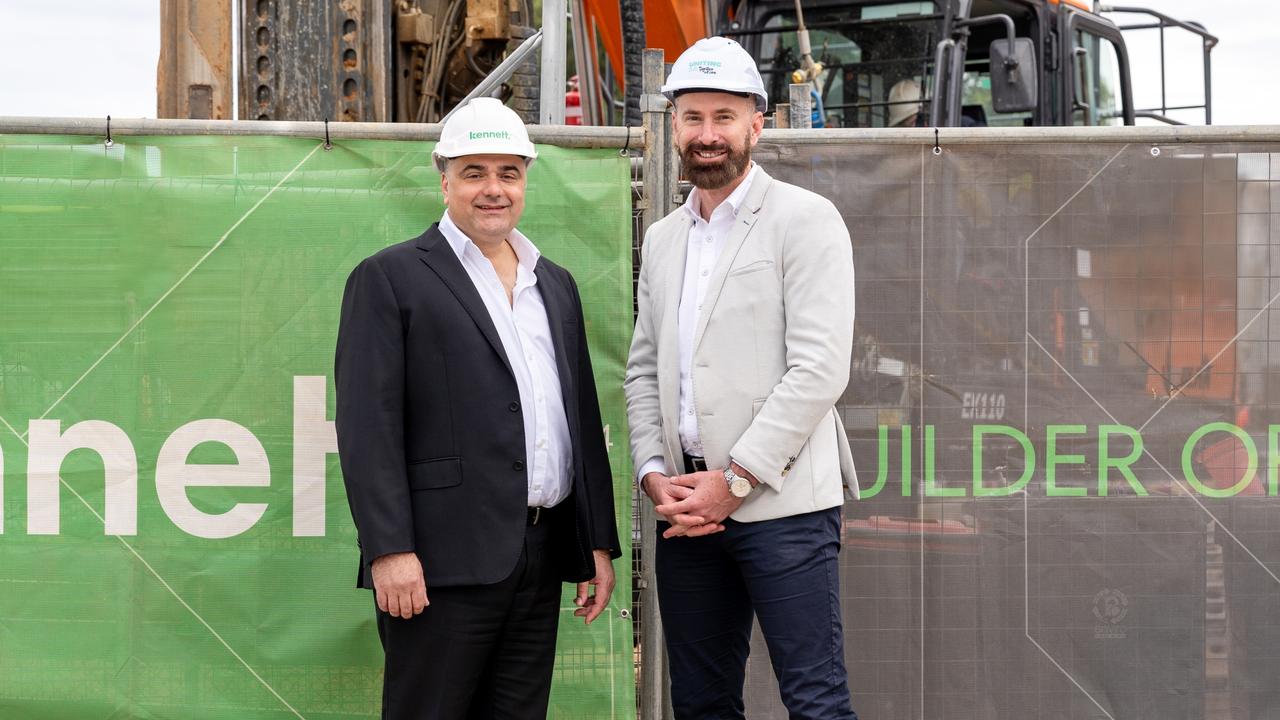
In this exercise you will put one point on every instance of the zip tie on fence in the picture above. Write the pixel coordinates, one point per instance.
(109, 141)
(327, 145)
(937, 149)
(626, 146)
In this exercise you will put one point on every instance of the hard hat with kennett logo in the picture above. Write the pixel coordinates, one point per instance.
(717, 64)
(484, 126)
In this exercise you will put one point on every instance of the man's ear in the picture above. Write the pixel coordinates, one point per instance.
(757, 127)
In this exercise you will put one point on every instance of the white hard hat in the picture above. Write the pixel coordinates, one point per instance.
(718, 64)
(484, 126)
(905, 96)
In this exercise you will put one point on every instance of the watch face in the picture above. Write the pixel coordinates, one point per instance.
(740, 487)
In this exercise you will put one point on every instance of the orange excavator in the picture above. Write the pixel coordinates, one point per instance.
(870, 63)
(935, 63)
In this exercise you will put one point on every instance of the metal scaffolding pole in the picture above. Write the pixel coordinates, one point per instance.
(554, 63)
(561, 135)
(658, 201)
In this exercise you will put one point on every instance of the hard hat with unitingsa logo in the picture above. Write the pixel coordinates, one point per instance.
(718, 64)
(484, 126)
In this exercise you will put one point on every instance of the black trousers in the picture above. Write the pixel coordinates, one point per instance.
(477, 652)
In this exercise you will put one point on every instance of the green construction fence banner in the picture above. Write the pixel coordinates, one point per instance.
(175, 538)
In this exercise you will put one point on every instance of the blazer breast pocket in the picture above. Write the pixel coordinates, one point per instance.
(748, 269)
(435, 474)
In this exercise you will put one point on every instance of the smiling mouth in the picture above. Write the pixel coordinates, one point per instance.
(710, 154)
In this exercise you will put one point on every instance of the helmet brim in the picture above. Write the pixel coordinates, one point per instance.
(762, 103)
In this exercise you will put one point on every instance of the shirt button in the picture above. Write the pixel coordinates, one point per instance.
(705, 273)
(542, 443)
(514, 407)
(517, 465)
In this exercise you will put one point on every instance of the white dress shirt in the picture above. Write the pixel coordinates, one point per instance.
(706, 242)
(526, 338)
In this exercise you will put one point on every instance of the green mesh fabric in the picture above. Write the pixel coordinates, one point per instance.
(166, 281)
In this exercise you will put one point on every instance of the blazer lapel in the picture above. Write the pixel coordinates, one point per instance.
(741, 229)
(669, 325)
(563, 323)
(438, 256)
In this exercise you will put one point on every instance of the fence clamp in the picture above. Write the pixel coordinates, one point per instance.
(653, 102)
(937, 149)
(626, 146)
(327, 145)
(109, 141)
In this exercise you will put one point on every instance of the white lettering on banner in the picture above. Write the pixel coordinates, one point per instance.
(314, 439)
(50, 446)
(174, 475)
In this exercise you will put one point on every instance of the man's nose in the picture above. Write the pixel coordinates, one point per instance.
(492, 186)
(707, 134)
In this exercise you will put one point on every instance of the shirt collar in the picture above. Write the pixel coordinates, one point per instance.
(526, 252)
(693, 205)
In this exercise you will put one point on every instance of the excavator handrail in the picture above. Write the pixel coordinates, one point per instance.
(1165, 21)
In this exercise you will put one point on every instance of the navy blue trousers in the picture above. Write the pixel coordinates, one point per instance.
(783, 571)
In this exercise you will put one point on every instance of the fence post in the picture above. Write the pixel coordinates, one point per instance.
(659, 192)
(554, 64)
(801, 106)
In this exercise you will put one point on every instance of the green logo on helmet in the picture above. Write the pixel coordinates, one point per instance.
(489, 135)
(709, 65)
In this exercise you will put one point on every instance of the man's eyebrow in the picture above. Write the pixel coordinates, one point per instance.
(485, 168)
(718, 111)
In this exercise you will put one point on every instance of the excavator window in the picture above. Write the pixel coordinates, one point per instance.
(866, 50)
(1097, 96)
(976, 108)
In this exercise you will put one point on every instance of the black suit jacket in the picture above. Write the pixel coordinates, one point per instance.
(430, 433)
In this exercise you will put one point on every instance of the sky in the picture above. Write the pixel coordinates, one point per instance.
(92, 58)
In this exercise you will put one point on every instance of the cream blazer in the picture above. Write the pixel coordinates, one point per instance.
(771, 350)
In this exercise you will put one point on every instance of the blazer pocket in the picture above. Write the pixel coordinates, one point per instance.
(435, 474)
(754, 267)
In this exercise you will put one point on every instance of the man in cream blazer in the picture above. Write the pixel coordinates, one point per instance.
(741, 349)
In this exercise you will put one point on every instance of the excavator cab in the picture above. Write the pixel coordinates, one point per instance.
(866, 51)
(950, 63)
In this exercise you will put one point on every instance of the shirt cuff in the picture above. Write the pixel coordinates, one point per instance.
(759, 480)
(653, 464)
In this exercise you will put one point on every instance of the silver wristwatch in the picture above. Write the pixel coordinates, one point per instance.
(739, 486)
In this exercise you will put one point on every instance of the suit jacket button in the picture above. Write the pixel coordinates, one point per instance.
(514, 407)
(517, 465)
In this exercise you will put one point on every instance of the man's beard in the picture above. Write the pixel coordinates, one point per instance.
(715, 176)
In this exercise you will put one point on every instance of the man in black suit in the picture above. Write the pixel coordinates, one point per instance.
(471, 442)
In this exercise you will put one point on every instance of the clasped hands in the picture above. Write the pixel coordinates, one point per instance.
(695, 504)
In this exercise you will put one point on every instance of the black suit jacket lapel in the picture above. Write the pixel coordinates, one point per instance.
(438, 256)
(562, 320)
